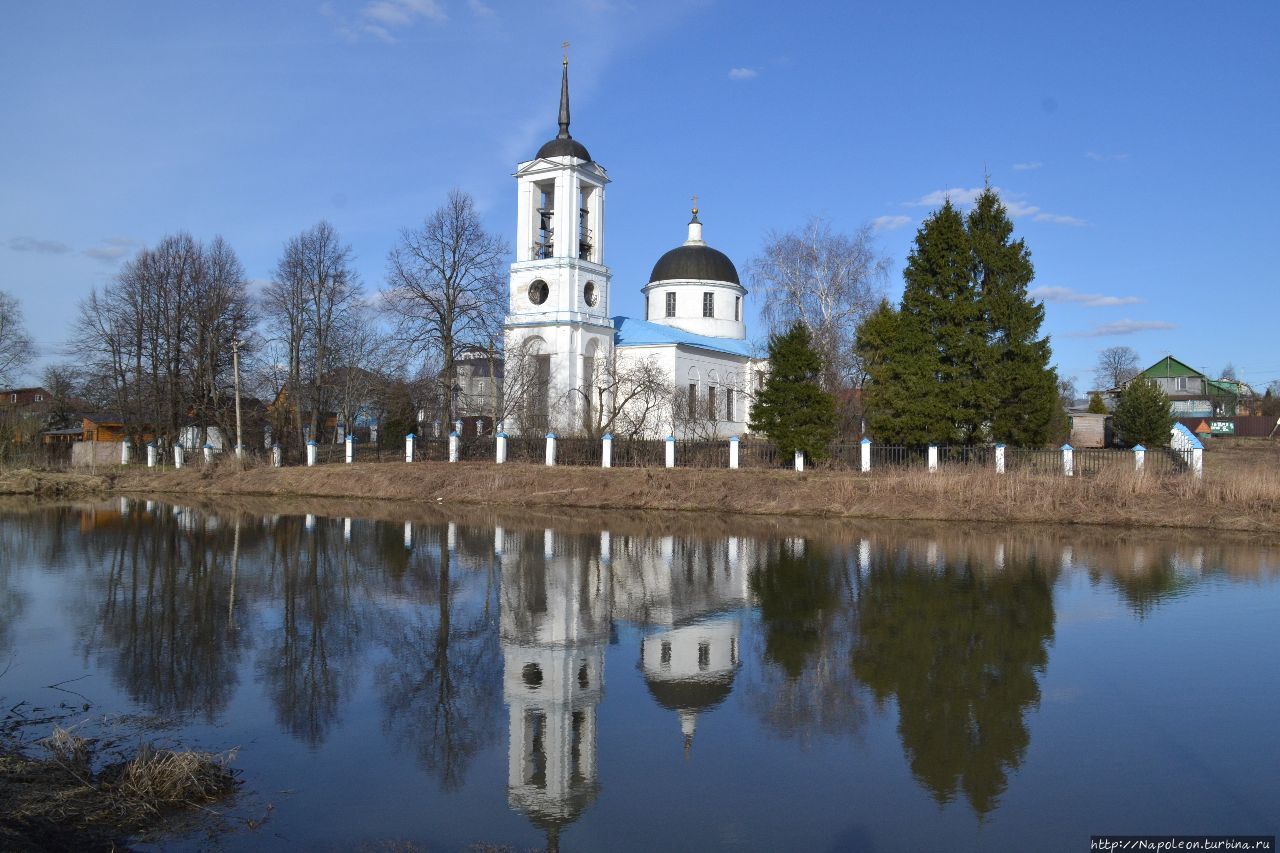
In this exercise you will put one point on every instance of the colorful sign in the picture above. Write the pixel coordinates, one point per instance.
(1222, 427)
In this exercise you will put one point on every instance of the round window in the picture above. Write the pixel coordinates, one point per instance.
(538, 292)
(589, 294)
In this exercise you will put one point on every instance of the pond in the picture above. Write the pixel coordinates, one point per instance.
(640, 683)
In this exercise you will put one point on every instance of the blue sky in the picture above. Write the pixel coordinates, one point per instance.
(1135, 142)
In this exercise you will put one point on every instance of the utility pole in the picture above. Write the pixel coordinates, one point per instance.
(235, 369)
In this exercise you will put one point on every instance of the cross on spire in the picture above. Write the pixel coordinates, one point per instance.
(695, 204)
(565, 45)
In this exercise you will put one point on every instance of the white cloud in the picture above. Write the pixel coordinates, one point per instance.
(111, 249)
(1060, 219)
(1017, 208)
(1102, 158)
(743, 73)
(380, 18)
(1050, 293)
(889, 223)
(43, 247)
(1124, 327)
(1027, 167)
(480, 9)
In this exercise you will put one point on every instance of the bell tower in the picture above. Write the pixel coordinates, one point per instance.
(557, 323)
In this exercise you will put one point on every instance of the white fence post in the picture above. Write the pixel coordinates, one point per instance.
(277, 456)
(799, 460)
(408, 447)
(1197, 462)
(311, 453)
(733, 451)
(500, 448)
(999, 458)
(453, 447)
(457, 426)
(124, 452)
(208, 452)
(351, 448)
(1068, 460)
(606, 451)
(1139, 458)
(151, 454)
(865, 448)
(408, 535)
(933, 458)
(551, 448)
(178, 454)
(671, 451)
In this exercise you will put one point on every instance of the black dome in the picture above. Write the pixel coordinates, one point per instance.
(568, 147)
(699, 263)
(691, 694)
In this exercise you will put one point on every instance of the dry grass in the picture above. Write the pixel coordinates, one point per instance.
(58, 802)
(50, 484)
(1240, 490)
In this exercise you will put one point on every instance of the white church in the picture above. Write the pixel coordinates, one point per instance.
(559, 324)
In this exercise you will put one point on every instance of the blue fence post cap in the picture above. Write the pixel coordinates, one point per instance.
(502, 435)
(410, 435)
(350, 437)
(275, 447)
(151, 444)
(1066, 447)
(208, 446)
(865, 440)
(607, 437)
(551, 435)
(1000, 445)
(671, 438)
(313, 443)
(453, 435)
(1138, 447)
(734, 438)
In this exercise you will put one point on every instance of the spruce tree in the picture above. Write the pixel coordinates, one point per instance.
(792, 409)
(1142, 414)
(1021, 388)
(942, 313)
(901, 368)
(1096, 404)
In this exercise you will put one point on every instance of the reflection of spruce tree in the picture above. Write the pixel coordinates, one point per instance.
(797, 594)
(163, 617)
(804, 605)
(307, 663)
(442, 684)
(961, 653)
(1146, 589)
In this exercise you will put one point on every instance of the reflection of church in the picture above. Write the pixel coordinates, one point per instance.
(559, 596)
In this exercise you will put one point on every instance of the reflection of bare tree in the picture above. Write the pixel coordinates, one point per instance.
(806, 686)
(960, 650)
(308, 663)
(162, 615)
(442, 683)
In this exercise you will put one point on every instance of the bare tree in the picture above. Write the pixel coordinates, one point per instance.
(627, 398)
(1067, 392)
(156, 342)
(1116, 366)
(826, 280)
(61, 381)
(16, 347)
(1229, 373)
(313, 288)
(446, 285)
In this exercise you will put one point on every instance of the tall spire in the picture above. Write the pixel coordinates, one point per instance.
(564, 96)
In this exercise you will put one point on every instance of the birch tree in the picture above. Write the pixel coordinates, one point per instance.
(16, 347)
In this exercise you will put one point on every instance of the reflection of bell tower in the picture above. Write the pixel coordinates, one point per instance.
(555, 623)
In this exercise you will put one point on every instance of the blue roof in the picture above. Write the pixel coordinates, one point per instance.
(640, 333)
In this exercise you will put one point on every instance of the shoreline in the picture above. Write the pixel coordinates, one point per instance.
(1121, 499)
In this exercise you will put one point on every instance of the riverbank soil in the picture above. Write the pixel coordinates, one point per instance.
(1240, 489)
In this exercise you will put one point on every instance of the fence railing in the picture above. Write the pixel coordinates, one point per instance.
(752, 453)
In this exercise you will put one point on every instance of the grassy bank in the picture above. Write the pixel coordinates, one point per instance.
(1240, 490)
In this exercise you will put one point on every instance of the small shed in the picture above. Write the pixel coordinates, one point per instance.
(1089, 429)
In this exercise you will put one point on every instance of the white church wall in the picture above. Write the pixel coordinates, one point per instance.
(689, 307)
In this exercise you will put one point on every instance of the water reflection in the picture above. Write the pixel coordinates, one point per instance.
(960, 648)
(451, 628)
